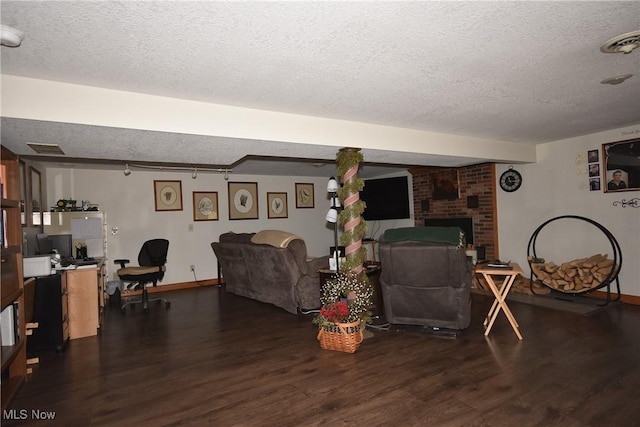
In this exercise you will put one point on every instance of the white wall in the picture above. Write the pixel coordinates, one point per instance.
(558, 185)
(129, 204)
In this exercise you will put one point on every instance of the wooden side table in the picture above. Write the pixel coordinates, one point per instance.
(500, 293)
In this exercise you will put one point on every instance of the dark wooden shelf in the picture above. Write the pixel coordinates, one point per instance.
(10, 297)
(10, 388)
(9, 203)
(9, 353)
(10, 250)
(14, 366)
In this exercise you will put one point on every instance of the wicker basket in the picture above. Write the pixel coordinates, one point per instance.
(345, 337)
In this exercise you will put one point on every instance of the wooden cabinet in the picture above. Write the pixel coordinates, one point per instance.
(84, 287)
(14, 357)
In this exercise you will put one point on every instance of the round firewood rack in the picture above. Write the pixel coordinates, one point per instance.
(606, 282)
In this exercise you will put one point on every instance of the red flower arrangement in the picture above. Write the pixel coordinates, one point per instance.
(336, 312)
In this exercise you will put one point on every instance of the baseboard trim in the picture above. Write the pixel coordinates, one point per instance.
(173, 287)
(628, 299)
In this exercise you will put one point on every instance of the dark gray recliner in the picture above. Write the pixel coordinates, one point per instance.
(426, 283)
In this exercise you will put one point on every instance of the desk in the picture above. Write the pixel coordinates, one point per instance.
(67, 305)
(500, 293)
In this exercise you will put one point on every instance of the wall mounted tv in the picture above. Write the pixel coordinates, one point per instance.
(386, 198)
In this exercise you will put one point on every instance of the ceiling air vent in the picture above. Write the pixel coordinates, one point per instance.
(45, 148)
(625, 43)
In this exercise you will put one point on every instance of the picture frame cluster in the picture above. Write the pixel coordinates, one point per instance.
(243, 201)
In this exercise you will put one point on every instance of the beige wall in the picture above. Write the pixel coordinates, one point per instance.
(129, 204)
(558, 184)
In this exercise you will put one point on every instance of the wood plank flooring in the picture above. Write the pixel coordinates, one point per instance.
(217, 359)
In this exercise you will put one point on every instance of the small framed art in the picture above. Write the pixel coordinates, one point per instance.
(243, 200)
(168, 195)
(205, 206)
(304, 195)
(277, 205)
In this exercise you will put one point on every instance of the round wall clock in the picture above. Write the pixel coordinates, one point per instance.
(510, 180)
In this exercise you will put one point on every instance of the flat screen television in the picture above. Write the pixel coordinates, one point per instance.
(386, 198)
(466, 224)
(63, 243)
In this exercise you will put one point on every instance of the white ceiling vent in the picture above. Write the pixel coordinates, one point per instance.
(45, 148)
(625, 43)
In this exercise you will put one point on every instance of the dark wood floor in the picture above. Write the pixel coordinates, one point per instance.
(217, 359)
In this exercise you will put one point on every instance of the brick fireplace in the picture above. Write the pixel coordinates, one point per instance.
(477, 181)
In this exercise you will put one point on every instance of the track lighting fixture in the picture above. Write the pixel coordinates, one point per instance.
(194, 170)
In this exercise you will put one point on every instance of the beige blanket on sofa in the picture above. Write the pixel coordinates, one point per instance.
(277, 238)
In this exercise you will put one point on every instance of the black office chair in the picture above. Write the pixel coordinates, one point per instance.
(151, 260)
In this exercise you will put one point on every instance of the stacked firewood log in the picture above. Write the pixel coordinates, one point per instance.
(580, 275)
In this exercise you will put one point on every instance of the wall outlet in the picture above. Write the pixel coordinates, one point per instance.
(192, 267)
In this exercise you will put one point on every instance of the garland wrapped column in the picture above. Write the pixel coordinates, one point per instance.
(350, 218)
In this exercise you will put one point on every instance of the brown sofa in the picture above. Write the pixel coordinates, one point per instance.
(426, 277)
(271, 266)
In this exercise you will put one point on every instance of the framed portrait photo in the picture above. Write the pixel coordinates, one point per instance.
(243, 200)
(304, 195)
(621, 166)
(168, 195)
(205, 206)
(277, 205)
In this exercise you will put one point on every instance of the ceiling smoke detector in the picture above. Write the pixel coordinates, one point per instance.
(624, 43)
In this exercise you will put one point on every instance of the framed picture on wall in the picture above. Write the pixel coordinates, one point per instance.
(23, 192)
(621, 166)
(243, 200)
(168, 195)
(304, 195)
(205, 206)
(34, 201)
(277, 205)
(446, 185)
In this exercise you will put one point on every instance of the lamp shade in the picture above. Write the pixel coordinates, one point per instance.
(332, 215)
(332, 185)
(10, 37)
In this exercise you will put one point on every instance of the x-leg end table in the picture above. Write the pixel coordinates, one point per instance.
(500, 293)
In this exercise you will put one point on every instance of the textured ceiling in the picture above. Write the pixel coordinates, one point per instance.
(523, 72)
